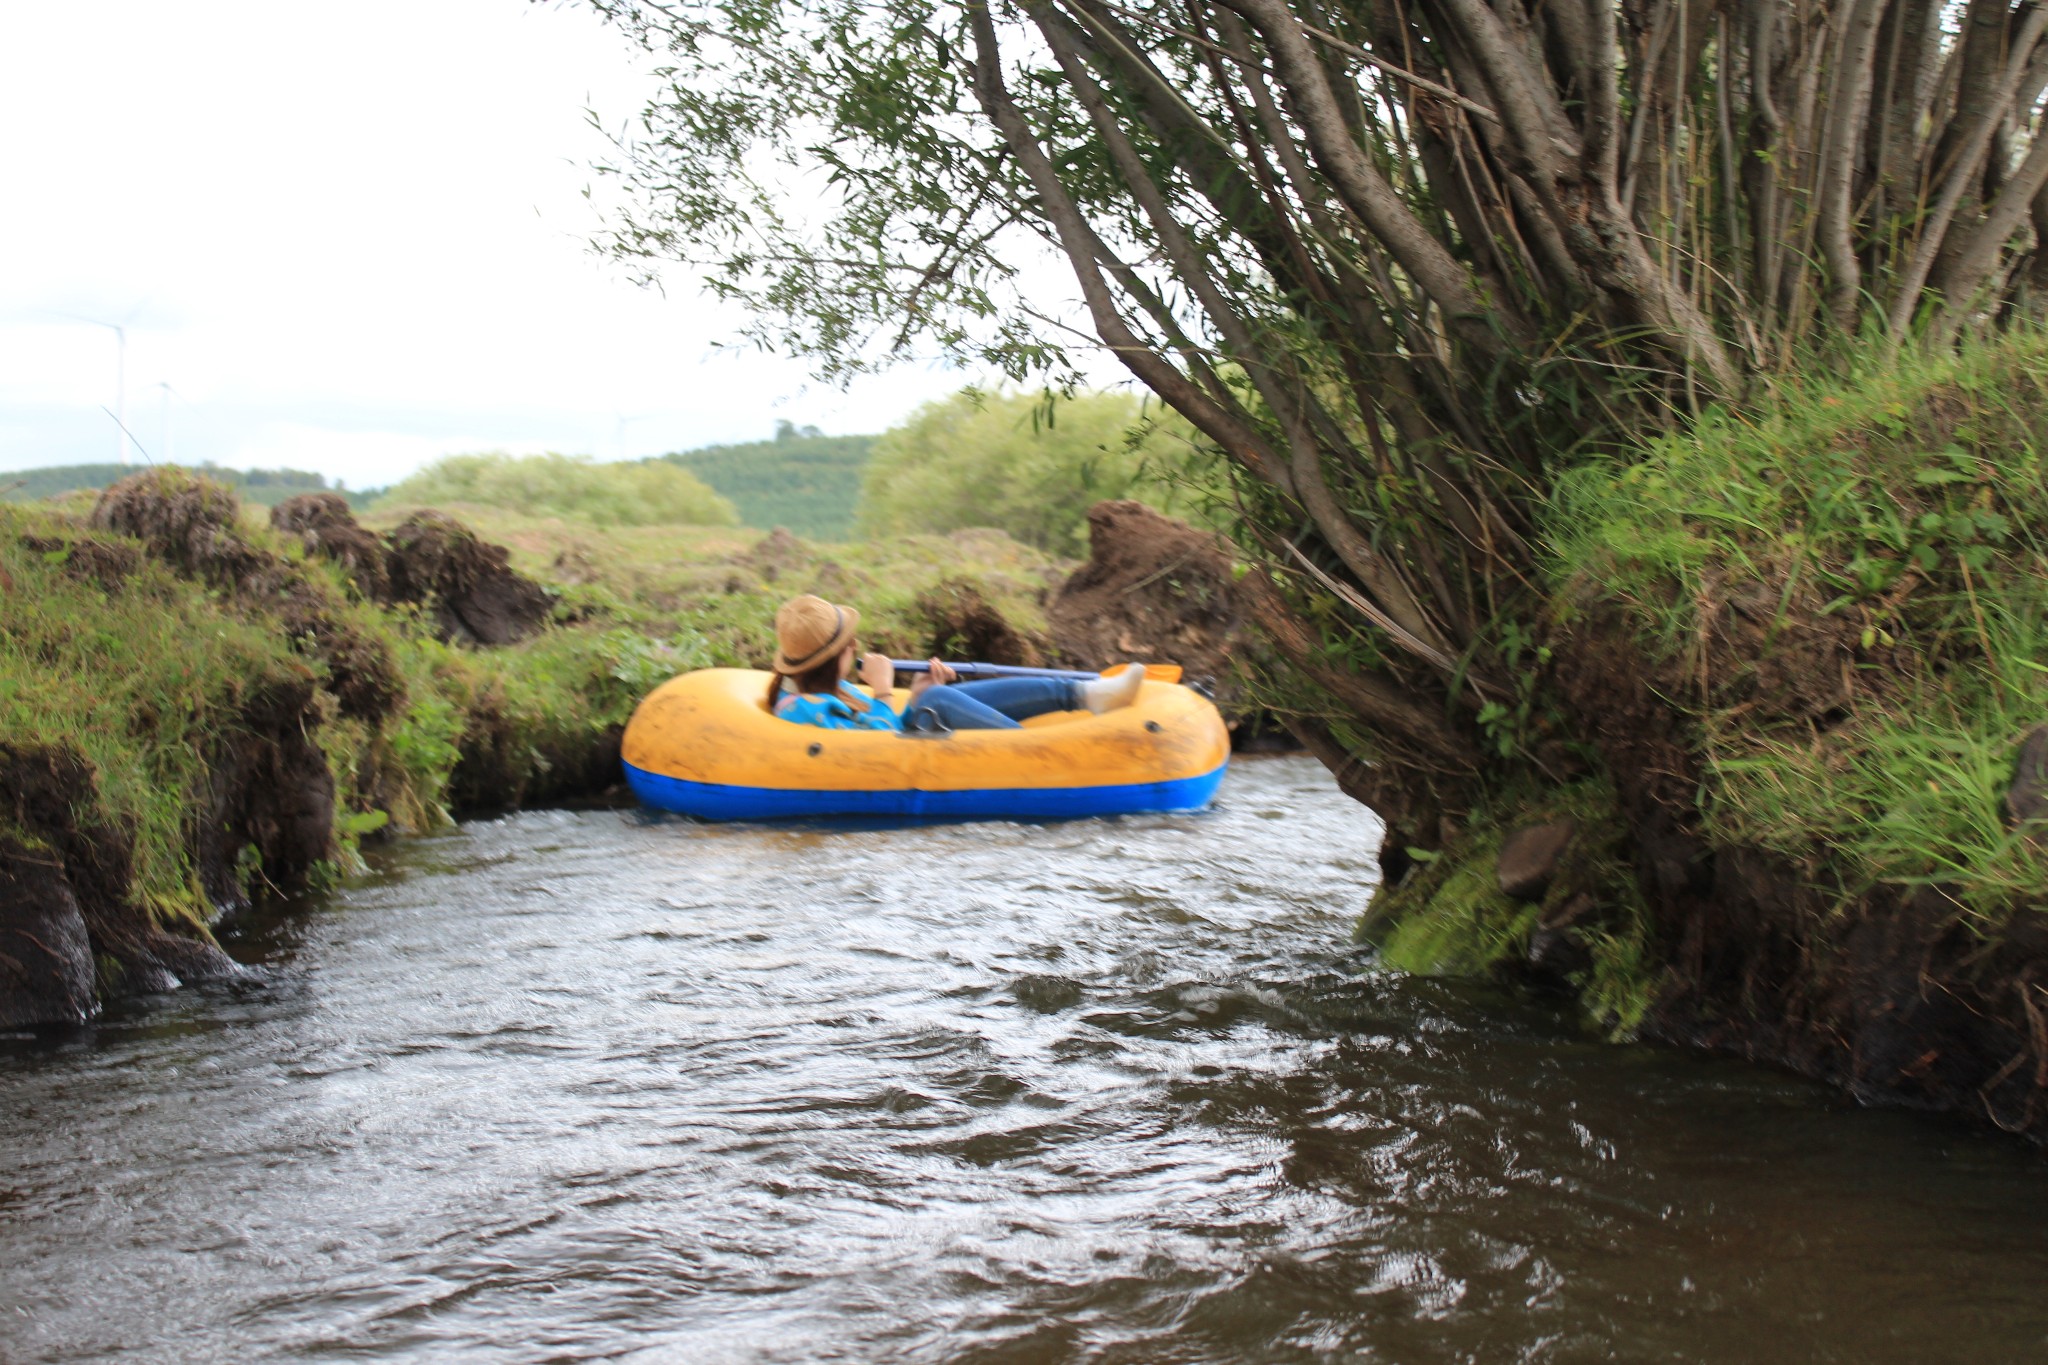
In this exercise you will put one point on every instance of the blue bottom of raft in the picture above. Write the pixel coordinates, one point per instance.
(714, 801)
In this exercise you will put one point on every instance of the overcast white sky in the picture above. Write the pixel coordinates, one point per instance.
(350, 237)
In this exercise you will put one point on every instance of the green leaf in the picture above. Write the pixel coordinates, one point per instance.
(364, 822)
(1938, 477)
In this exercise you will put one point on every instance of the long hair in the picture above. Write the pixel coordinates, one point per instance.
(818, 678)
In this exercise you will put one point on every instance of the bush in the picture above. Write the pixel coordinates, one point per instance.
(639, 494)
(1033, 467)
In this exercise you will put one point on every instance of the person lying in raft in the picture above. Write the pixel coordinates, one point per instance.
(814, 656)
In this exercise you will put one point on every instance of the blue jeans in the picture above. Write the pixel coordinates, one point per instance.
(990, 703)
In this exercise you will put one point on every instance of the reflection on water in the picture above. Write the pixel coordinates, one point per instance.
(597, 1085)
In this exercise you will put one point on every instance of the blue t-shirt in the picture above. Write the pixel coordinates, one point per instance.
(830, 711)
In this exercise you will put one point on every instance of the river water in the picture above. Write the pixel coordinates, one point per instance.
(599, 1085)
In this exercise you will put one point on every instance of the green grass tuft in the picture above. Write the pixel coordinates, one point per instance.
(1897, 520)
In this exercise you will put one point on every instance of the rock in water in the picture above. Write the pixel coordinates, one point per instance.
(1155, 590)
(46, 967)
(1529, 858)
(475, 594)
(71, 926)
(1557, 950)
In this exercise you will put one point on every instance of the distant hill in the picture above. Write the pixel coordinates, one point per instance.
(613, 494)
(801, 479)
(265, 487)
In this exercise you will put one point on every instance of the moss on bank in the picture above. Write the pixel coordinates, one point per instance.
(236, 716)
(1450, 915)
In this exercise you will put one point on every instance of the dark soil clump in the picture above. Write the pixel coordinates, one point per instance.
(1153, 590)
(776, 554)
(89, 559)
(964, 625)
(323, 523)
(468, 584)
(361, 672)
(270, 800)
(192, 524)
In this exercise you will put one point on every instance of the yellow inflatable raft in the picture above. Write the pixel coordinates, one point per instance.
(705, 744)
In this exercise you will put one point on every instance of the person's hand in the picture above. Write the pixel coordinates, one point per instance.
(878, 673)
(941, 673)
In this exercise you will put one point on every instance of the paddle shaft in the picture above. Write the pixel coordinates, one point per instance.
(1156, 672)
(995, 670)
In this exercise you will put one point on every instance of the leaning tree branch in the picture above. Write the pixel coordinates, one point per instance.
(1968, 158)
(1360, 185)
(1847, 107)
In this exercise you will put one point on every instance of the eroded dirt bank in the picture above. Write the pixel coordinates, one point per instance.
(1157, 590)
(1901, 995)
(198, 711)
(71, 929)
(1620, 898)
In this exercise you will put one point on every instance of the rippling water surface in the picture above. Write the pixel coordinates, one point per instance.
(601, 1086)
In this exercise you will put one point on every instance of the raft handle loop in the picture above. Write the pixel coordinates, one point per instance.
(922, 722)
(815, 750)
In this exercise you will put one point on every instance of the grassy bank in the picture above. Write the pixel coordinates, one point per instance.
(718, 587)
(236, 715)
(1851, 594)
(1833, 612)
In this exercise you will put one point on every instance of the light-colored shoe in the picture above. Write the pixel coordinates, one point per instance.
(1113, 690)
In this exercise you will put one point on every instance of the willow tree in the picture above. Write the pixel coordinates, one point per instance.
(1401, 261)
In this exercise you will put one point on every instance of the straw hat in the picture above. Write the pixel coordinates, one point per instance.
(810, 630)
